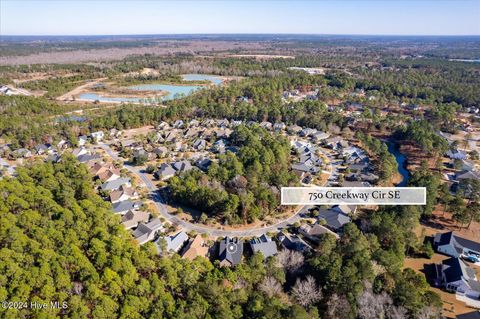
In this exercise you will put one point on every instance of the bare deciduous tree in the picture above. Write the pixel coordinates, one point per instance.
(429, 313)
(270, 286)
(338, 307)
(397, 313)
(373, 306)
(290, 260)
(306, 291)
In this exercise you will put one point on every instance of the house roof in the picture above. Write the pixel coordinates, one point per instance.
(455, 269)
(265, 245)
(231, 250)
(182, 166)
(334, 219)
(470, 315)
(165, 170)
(88, 157)
(124, 206)
(293, 242)
(128, 191)
(450, 238)
(146, 229)
(196, 247)
(132, 218)
(175, 242)
(467, 175)
(345, 209)
(115, 184)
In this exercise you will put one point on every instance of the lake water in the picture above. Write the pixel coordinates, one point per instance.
(202, 77)
(401, 161)
(174, 91)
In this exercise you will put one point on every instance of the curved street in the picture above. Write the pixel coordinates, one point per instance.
(199, 228)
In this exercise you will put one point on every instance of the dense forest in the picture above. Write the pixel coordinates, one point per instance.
(240, 187)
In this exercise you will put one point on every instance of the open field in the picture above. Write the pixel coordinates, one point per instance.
(109, 54)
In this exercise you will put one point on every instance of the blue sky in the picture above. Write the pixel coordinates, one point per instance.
(71, 17)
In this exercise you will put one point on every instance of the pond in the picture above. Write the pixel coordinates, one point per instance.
(174, 91)
(401, 161)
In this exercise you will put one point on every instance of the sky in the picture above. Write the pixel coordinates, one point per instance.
(391, 17)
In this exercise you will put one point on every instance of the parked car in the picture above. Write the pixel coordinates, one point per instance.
(471, 258)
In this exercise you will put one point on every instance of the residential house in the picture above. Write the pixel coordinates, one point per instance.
(196, 247)
(219, 146)
(200, 144)
(469, 315)
(147, 232)
(173, 243)
(456, 154)
(457, 277)
(21, 153)
(333, 219)
(163, 126)
(467, 175)
(453, 245)
(82, 140)
(279, 126)
(44, 149)
(320, 136)
(230, 251)
(345, 209)
(164, 172)
(109, 175)
(356, 184)
(307, 132)
(160, 151)
(132, 218)
(171, 137)
(124, 206)
(193, 123)
(293, 242)
(294, 129)
(313, 232)
(191, 133)
(116, 184)
(336, 143)
(97, 136)
(87, 158)
(178, 124)
(203, 163)
(264, 245)
(266, 125)
(182, 166)
(234, 123)
(223, 123)
(122, 194)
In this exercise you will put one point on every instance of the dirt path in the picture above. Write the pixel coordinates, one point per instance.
(69, 95)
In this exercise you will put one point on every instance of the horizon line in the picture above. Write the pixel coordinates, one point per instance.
(239, 33)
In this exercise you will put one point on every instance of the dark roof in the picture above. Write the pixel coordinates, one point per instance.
(334, 219)
(455, 240)
(470, 315)
(454, 269)
(234, 255)
(293, 242)
(443, 238)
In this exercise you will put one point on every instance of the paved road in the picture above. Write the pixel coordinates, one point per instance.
(199, 228)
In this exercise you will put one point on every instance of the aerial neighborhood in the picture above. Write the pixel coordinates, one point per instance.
(144, 176)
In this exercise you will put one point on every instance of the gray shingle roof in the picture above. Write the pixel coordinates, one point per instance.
(264, 245)
(231, 250)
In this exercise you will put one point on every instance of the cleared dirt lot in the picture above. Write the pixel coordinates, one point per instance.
(163, 48)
